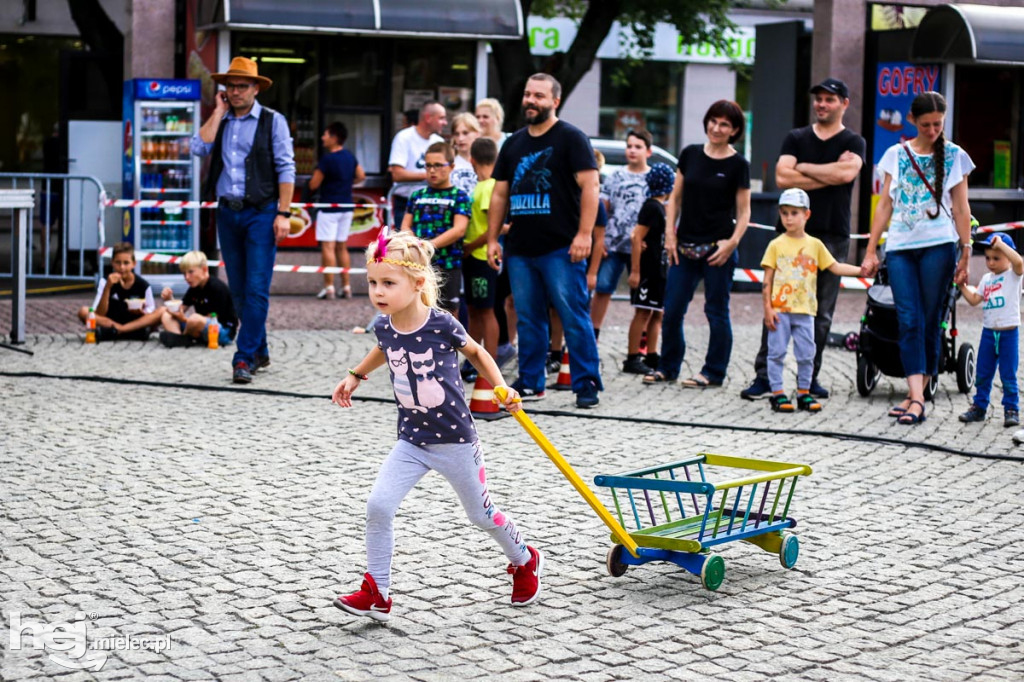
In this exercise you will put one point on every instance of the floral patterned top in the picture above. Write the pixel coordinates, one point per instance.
(910, 227)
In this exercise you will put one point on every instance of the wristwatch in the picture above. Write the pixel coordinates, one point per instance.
(285, 214)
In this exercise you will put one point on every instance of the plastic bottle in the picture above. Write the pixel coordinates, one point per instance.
(90, 327)
(213, 332)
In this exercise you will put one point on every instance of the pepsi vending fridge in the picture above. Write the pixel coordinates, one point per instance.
(160, 117)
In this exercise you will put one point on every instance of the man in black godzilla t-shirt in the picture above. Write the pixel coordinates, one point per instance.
(547, 181)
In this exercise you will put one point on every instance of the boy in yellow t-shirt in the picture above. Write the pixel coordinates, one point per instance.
(478, 277)
(791, 265)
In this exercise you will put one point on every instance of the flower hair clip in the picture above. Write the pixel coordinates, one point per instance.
(382, 249)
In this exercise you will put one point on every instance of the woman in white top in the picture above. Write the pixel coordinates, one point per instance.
(924, 194)
(491, 116)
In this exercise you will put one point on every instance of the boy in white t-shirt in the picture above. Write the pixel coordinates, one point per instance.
(999, 290)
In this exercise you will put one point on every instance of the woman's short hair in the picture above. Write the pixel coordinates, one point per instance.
(730, 111)
(497, 110)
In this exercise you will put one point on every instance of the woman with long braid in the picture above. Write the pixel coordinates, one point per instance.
(924, 193)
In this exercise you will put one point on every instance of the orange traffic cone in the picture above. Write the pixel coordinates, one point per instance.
(564, 382)
(481, 402)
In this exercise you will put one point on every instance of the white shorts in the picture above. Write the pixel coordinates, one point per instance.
(333, 227)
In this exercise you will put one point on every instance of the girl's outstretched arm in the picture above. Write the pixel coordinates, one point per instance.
(489, 370)
(342, 395)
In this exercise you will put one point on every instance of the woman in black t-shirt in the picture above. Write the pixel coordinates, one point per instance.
(711, 199)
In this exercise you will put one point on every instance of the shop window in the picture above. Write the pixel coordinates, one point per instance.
(646, 95)
(987, 123)
(427, 69)
(293, 63)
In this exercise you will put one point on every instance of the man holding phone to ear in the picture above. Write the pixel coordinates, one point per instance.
(252, 177)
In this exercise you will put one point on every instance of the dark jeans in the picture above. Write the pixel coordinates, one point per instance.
(553, 280)
(679, 288)
(827, 293)
(921, 281)
(249, 248)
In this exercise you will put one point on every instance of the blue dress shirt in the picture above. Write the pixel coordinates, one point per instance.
(237, 142)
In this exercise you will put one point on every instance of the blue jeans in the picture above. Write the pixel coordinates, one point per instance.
(553, 280)
(249, 248)
(679, 288)
(997, 347)
(921, 279)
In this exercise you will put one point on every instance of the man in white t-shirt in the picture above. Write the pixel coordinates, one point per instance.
(406, 164)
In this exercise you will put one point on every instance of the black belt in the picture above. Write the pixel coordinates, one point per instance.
(233, 204)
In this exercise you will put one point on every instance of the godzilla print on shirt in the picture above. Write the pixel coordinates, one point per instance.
(543, 195)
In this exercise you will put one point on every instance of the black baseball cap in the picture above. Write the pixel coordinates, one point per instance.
(833, 85)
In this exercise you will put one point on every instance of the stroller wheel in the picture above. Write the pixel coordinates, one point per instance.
(931, 388)
(966, 363)
(867, 376)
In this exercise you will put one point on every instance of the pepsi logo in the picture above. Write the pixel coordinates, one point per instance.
(154, 86)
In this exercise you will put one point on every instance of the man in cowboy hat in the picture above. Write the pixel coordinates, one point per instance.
(252, 176)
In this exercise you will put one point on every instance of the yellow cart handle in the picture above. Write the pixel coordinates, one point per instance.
(620, 534)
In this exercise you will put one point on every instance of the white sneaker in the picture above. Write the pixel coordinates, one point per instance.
(1018, 437)
(326, 292)
(346, 292)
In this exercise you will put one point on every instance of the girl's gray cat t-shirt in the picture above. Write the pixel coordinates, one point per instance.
(424, 368)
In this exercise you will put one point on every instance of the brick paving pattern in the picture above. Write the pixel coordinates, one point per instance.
(227, 522)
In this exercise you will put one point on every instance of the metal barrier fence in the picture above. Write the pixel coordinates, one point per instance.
(65, 226)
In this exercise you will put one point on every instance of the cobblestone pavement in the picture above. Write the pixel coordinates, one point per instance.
(223, 522)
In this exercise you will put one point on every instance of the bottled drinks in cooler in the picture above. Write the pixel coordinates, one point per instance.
(213, 332)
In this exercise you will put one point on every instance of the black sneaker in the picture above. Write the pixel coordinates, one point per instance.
(172, 340)
(634, 364)
(1011, 417)
(105, 334)
(528, 394)
(242, 374)
(973, 414)
(260, 362)
(468, 372)
(758, 388)
(652, 360)
(587, 397)
(554, 362)
(819, 391)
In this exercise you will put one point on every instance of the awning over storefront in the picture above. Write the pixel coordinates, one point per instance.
(971, 34)
(484, 19)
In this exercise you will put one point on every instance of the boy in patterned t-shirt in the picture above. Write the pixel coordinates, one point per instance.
(791, 264)
(439, 213)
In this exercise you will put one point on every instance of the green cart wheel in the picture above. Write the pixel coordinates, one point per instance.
(712, 573)
(789, 551)
(614, 562)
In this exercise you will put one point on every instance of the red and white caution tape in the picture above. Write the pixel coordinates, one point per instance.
(757, 276)
(150, 257)
(1000, 227)
(161, 203)
(759, 226)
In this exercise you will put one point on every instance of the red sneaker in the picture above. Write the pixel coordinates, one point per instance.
(366, 602)
(526, 578)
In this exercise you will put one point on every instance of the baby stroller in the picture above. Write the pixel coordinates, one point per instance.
(878, 349)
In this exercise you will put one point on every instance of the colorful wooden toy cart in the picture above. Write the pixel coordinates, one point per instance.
(753, 508)
(679, 514)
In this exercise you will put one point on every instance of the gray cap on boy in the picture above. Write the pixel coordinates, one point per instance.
(795, 197)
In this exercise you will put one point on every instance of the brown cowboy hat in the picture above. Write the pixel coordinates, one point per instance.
(242, 67)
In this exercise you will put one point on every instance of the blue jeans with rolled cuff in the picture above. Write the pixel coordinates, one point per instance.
(921, 279)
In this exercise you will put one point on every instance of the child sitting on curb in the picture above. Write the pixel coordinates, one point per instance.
(207, 296)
